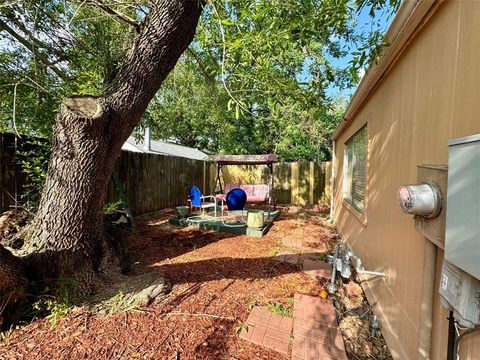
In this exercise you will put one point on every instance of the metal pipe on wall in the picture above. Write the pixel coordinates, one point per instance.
(452, 336)
(331, 287)
(428, 293)
(343, 264)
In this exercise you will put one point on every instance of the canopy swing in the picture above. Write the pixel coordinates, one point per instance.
(255, 192)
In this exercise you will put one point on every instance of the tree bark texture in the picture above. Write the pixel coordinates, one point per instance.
(66, 237)
(12, 287)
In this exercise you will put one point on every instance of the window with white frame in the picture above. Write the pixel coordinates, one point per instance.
(354, 169)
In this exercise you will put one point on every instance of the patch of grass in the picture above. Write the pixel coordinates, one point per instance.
(55, 304)
(111, 207)
(251, 305)
(119, 302)
(304, 213)
(6, 335)
(273, 252)
(241, 326)
(300, 221)
(279, 309)
(322, 257)
(115, 304)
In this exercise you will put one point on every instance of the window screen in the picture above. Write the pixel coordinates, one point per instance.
(355, 161)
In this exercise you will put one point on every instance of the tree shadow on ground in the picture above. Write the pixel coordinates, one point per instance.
(162, 241)
(224, 268)
(126, 292)
(157, 244)
(163, 253)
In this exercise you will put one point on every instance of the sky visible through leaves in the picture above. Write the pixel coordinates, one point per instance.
(364, 23)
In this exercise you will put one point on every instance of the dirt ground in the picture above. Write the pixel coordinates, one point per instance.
(215, 279)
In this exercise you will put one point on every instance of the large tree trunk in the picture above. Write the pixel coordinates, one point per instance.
(67, 237)
(12, 287)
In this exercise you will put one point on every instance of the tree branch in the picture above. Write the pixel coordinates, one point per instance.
(165, 34)
(39, 55)
(60, 54)
(113, 12)
(200, 63)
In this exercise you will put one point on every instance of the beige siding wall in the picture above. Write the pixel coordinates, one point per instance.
(431, 95)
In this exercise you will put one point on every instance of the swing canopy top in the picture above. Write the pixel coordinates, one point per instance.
(244, 159)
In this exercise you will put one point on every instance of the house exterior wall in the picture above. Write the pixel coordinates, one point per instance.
(430, 95)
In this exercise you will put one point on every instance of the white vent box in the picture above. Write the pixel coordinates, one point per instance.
(462, 233)
(460, 292)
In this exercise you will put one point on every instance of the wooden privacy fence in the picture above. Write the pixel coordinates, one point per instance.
(12, 179)
(300, 183)
(150, 182)
(155, 182)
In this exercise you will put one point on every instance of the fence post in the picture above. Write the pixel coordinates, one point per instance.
(204, 189)
(328, 182)
(294, 182)
(312, 182)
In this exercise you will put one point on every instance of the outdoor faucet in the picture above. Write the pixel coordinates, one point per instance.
(358, 265)
(345, 270)
(343, 265)
(374, 325)
(333, 260)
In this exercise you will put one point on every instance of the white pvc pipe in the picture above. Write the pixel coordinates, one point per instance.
(147, 145)
(332, 183)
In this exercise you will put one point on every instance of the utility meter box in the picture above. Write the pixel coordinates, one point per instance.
(425, 200)
(434, 228)
(460, 292)
(462, 235)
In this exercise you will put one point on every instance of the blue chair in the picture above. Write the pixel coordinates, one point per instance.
(197, 200)
(236, 200)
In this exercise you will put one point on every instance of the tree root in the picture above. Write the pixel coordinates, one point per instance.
(130, 292)
(13, 288)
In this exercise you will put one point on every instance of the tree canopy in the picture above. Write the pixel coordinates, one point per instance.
(255, 79)
(51, 49)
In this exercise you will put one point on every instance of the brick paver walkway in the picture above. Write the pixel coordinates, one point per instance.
(267, 329)
(308, 258)
(315, 330)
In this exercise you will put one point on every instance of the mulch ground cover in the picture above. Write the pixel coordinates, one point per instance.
(216, 278)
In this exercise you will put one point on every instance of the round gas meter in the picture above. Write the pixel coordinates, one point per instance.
(423, 199)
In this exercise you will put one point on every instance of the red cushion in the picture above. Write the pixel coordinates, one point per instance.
(260, 190)
(230, 186)
(248, 189)
(256, 198)
(255, 192)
